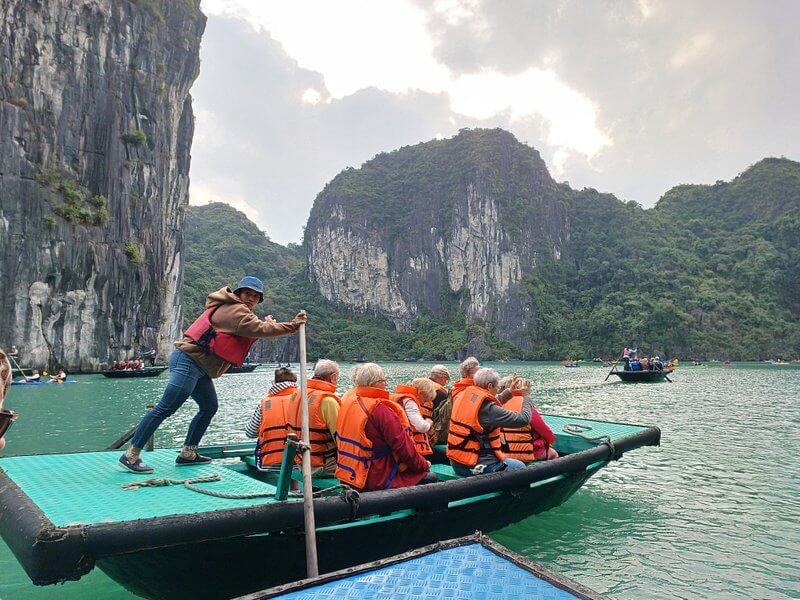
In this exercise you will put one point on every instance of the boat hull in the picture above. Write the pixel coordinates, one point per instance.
(245, 368)
(642, 376)
(172, 572)
(146, 372)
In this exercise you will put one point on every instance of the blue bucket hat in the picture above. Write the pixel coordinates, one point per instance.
(251, 283)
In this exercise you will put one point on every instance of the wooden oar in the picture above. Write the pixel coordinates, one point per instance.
(611, 372)
(18, 367)
(312, 570)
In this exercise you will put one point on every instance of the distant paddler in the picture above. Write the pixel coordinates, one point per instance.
(220, 337)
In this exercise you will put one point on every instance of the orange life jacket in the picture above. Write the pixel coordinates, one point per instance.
(519, 441)
(466, 433)
(277, 417)
(421, 442)
(354, 448)
(323, 446)
(230, 348)
(438, 386)
(461, 385)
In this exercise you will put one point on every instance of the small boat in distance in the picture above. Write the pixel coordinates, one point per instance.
(643, 376)
(49, 382)
(145, 372)
(245, 368)
(421, 573)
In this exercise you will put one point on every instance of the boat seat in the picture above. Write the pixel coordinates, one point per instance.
(445, 472)
(319, 481)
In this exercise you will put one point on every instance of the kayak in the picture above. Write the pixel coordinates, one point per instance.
(146, 372)
(50, 382)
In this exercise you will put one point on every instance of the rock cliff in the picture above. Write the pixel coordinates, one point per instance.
(464, 218)
(96, 127)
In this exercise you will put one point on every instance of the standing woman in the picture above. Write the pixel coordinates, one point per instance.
(220, 337)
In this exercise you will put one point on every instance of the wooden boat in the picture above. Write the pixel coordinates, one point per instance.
(145, 372)
(41, 382)
(245, 368)
(643, 376)
(64, 514)
(422, 572)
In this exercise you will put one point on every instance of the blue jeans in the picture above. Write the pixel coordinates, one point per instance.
(500, 465)
(186, 378)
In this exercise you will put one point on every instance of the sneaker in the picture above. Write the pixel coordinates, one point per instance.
(198, 459)
(136, 466)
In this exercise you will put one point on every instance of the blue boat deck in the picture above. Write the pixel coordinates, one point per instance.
(468, 568)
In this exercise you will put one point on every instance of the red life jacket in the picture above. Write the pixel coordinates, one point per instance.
(230, 348)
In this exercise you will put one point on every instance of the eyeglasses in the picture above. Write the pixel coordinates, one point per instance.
(7, 417)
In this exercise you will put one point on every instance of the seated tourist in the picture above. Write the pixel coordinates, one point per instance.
(441, 415)
(440, 376)
(114, 366)
(34, 376)
(474, 444)
(645, 364)
(61, 376)
(635, 365)
(323, 410)
(417, 402)
(532, 442)
(270, 422)
(375, 448)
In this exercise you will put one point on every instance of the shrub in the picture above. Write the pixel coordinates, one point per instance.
(134, 253)
(135, 137)
(50, 221)
(101, 216)
(49, 177)
(99, 201)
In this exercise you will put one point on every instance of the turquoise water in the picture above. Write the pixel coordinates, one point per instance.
(714, 512)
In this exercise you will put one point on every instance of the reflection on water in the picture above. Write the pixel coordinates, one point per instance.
(712, 513)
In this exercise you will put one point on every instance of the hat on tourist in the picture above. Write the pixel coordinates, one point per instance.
(251, 283)
(440, 370)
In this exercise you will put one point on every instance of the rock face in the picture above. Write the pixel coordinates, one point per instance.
(96, 127)
(466, 217)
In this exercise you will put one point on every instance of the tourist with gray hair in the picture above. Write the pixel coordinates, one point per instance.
(375, 447)
(441, 415)
(474, 443)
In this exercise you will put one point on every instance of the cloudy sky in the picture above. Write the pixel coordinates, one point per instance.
(630, 97)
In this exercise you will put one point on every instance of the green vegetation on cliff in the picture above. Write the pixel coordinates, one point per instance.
(711, 271)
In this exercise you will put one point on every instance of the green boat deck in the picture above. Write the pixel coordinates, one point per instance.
(86, 488)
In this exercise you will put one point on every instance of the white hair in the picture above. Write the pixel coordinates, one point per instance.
(439, 371)
(368, 374)
(325, 368)
(469, 366)
(485, 376)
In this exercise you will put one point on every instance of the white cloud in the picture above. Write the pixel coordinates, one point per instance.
(693, 50)
(570, 116)
(311, 96)
(202, 194)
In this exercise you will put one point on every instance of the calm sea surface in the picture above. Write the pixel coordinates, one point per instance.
(713, 513)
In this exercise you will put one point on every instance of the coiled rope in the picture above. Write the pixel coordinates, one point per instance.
(189, 485)
(578, 429)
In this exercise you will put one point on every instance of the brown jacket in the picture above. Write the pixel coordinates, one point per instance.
(234, 317)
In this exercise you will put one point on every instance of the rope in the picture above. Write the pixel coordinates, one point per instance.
(350, 496)
(577, 430)
(155, 482)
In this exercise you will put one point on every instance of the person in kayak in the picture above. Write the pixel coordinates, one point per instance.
(221, 336)
(474, 444)
(375, 450)
(34, 376)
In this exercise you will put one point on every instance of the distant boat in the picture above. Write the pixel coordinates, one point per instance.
(146, 372)
(51, 381)
(642, 376)
(245, 368)
(727, 363)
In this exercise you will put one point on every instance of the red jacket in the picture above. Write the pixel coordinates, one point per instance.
(393, 435)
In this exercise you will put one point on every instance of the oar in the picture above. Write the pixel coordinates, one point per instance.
(611, 372)
(312, 570)
(18, 367)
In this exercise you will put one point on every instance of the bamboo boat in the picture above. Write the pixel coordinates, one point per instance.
(145, 372)
(443, 569)
(245, 368)
(64, 514)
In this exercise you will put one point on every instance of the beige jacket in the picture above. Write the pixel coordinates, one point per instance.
(234, 317)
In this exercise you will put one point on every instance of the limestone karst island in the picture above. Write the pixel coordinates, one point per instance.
(399, 300)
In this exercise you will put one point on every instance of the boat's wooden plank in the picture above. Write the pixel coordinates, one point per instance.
(86, 488)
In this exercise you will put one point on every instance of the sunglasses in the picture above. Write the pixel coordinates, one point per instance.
(7, 417)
